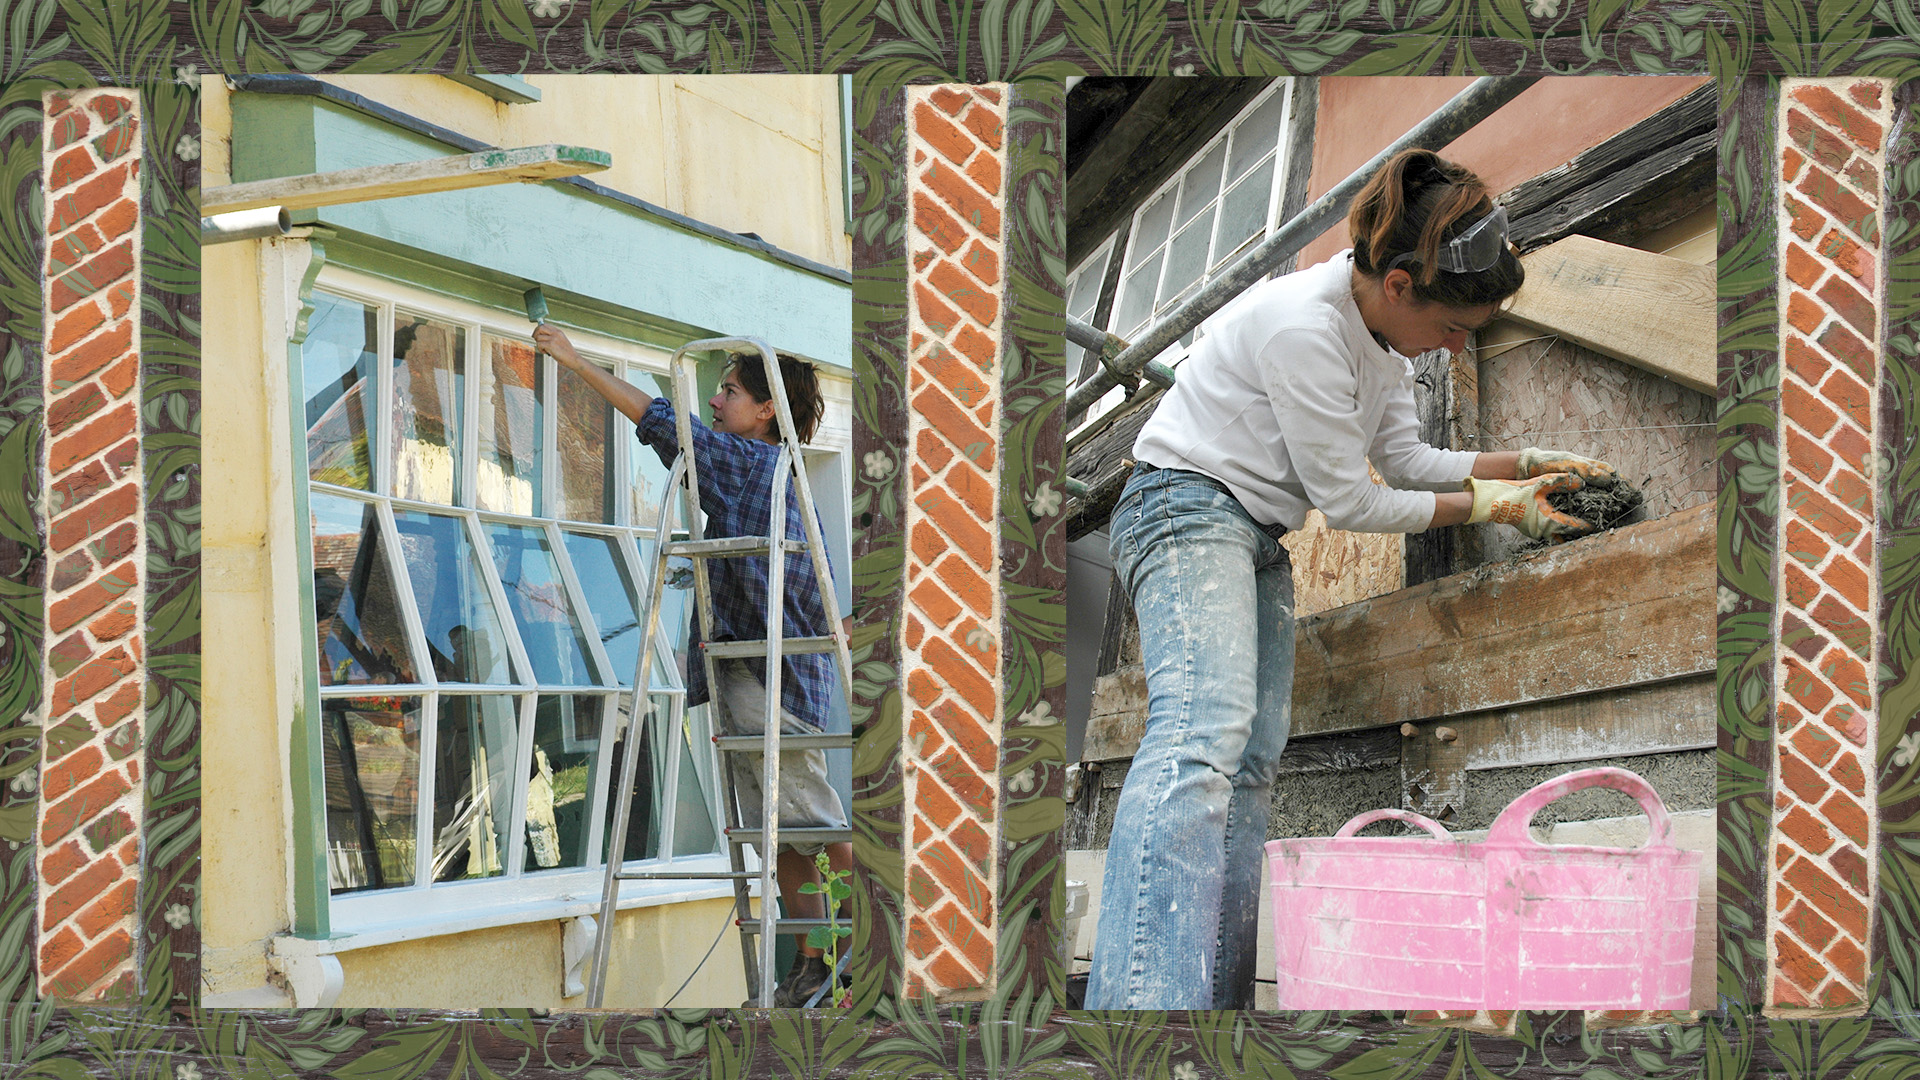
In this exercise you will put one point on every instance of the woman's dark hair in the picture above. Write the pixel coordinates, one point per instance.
(1415, 203)
(803, 389)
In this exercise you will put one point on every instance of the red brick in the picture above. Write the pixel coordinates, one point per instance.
(974, 208)
(937, 224)
(91, 356)
(1809, 547)
(927, 543)
(1803, 314)
(59, 950)
(1852, 305)
(1827, 148)
(96, 436)
(80, 891)
(915, 631)
(122, 741)
(1831, 898)
(1807, 924)
(119, 378)
(960, 378)
(936, 805)
(69, 168)
(118, 139)
(975, 844)
(1847, 816)
(1802, 638)
(1804, 220)
(87, 198)
(1815, 745)
(110, 107)
(985, 171)
(113, 625)
(982, 263)
(70, 772)
(1848, 580)
(1847, 348)
(1844, 624)
(69, 653)
(949, 100)
(940, 133)
(1790, 162)
(1787, 995)
(119, 219)
(1866, 92)
(921, 688)
(103, 270)
(957, 288)
(71, 127)
(956, 427)
(1865, 177)
(1796, 963)
(949, 974)
(73, 407)
(108, 910)
(986, 125)
(57, 866)
(969, 735)
(1852, 868)
(1852, 491)
(921, 940)
(931, 450)
(1802, 779)
(960, 674)
(96, 964)
(90, 678)
(974, 491)
(1803, 360)
(1850, 964)
(975, 346)
(1846, 770)
(1850, 722)
(1836, 113)
(1847, 208)
(115, 544)
(1806, 456)
(1822, 513)
(954, 923)
(1800, 588)
(1802, 268)
(934, 602)
(933, 311)
(961, 528)
(1807, 831)
(77, 487)
(961, 884)
(66, 252)
(73, 326)
(1846, 672)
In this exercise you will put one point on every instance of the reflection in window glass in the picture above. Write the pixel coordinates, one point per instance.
(359, 629)
(337, 364)
(555, 645)
(586, 451)
(649, 476)
(508, 427)
(560, 782)
(464, 638)
(429, 372)
(371, 749)
(473, 786)
(693, 829)
(1243, 214)
(610, 598)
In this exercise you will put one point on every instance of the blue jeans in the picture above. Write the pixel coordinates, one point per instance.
(1214, 596)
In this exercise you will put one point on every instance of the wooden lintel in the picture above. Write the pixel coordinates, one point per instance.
(1649, 310)
(1626, 608)
(518, 165)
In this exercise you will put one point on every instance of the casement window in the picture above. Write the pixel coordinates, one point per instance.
(1218, 206)
(482, 527)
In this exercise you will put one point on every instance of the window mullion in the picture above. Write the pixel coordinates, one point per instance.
(470, 444)
(382, 405)
(577, 599)
(490, 577)
(523, 770)
(424, 804)
(404, 594)
(548, 448)
(599, 799)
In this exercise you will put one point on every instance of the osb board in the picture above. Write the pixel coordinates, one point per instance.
(1333, 568)
(1550, 393)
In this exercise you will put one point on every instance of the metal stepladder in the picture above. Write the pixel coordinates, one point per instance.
(683, 488)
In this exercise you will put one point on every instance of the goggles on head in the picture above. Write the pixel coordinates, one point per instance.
(1472, 251)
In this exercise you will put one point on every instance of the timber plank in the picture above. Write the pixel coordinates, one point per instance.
(1625, 608)
(452, 173)
(1648, 310)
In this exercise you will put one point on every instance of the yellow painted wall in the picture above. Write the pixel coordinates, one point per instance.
(778, 137)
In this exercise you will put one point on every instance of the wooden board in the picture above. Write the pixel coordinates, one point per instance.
(452, 173)
(1649, 310)
(1625, 608)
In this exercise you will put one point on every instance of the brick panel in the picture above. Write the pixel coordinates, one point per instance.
(1829, 137)
(952, 757)
(90, 790)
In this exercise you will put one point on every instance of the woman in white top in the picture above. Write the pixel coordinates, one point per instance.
(1295, 388)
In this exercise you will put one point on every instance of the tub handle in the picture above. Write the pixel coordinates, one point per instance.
(1511, 826)
(1361, 821)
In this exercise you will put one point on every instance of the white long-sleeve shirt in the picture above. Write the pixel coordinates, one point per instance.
(1286, 399)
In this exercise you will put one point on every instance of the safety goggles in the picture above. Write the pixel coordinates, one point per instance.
(1472, 251)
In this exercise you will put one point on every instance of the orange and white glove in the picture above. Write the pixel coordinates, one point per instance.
(1537, 462)
(1523, 505)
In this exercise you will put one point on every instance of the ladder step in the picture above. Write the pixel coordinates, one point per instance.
(786, 926)
(792, 836)
(793, 646)
(734, 744)
(730, 547)
(688, 875)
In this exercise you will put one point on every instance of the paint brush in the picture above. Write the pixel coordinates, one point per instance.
(536, 302)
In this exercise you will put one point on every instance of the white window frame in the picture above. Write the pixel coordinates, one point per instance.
(519, 893)
(1216, 261)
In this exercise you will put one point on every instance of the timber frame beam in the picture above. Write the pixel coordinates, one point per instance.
(524, 164)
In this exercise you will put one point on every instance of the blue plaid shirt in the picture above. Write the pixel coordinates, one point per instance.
(736, 491)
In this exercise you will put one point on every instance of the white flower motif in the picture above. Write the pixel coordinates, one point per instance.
(1543, 9)
(188, 148)
(188, 74)
(1907, 749)
(178, 915)
(979, 638)
(877, 464)
(1041, 715)
(1045, 501)
(1727, 600)
(186, 1070)
(1183, 70)
(1186, 1071)
(1022, 780)
(547, 9)
(26, 781)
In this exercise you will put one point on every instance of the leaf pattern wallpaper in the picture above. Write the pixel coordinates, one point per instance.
(161, 47)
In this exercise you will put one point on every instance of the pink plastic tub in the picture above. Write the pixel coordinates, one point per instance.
(1435, 923)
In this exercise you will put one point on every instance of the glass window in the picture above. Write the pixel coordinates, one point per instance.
(362, 639)
(587, 451)
(429, 379)
(538, 599)
(371, 750)
(473, 785)
(465, 641)
(509, 427)
(337, 366)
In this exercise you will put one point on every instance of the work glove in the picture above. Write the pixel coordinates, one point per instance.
(1523, 505)
(1536, 462)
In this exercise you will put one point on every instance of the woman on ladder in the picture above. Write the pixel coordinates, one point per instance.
(1298, 385)
(735, 460)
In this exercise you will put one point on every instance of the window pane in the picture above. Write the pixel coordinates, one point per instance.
(473, 786)
(649, 476)
(464, 639)
(360, 634)
(1136, 298)
(429, 374)
(336, 364)
(610, 598)
(1187, 256)
(586, 452)
(560, 782)
(1202, 182)
(1244, 211)
(1152, 230)
(693, 828)
(556, 646)
(371, 752)
(1256, 135)
(509, 427)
